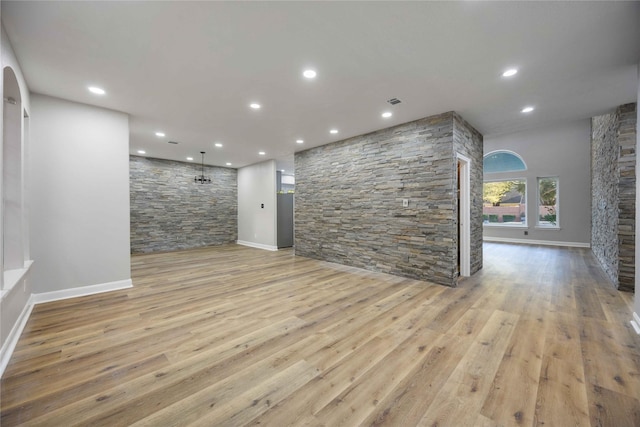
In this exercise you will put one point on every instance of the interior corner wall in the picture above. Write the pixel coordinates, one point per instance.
(257, 210)
(613, 139)
(469, 142)
(79, 195)
(349, 201)
(169, 211)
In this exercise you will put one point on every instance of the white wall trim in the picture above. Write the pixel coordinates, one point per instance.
(636, 322)
(12, 340)
(13, 277)
(80, 291)
(464, 225)
(257, 245)
(536, 242)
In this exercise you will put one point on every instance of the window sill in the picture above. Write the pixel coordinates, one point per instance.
(13, 277)
(507, 227)
(544, 227)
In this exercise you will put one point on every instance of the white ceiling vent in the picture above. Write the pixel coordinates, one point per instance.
(394, 101)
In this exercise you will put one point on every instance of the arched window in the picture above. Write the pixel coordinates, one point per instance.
(504, 199)
(503, 161)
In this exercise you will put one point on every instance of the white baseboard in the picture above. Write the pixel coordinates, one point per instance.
(81, 291)
(536, 242)
(14, 335)
(257, 245)
(636, 322)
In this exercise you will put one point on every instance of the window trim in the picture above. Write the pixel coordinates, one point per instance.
(557, 206)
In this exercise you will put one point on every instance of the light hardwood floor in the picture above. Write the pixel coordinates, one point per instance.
(234, 336)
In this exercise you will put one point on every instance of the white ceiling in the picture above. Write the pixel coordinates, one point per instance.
(191, 69)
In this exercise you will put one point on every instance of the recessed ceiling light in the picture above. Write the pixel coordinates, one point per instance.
(510, 72)
(189, 158)
(310, 74)
(228, 163)
(299, 141)
(96, 90)
(387, 114)
(255, 106)
(282, 170)
(333, 131)
(160, 134)
(142, 152)
(262, 153)
(527, 109)
(217, 144)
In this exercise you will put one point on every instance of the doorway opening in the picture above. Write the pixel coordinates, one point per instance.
(464, 215)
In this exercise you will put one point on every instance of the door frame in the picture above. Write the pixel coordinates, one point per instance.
(464, 208)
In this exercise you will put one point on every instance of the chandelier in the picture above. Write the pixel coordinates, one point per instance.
(201, 179)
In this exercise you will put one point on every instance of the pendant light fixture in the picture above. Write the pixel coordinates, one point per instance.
(201, 179)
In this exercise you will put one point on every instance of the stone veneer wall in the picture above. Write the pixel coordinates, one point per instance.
(348, 200)
(613, 180)
(169, 211)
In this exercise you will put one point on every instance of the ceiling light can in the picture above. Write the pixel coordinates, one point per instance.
(97, 90)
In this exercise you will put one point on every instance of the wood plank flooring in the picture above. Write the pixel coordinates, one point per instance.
(235, 336)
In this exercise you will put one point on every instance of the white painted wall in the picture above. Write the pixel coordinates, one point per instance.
(80, 195)
(257, 186)
(563, 150)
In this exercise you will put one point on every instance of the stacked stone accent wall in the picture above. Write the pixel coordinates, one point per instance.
(169, 211)
(613, 181)
(627, 196)
(469, 142)
(348, 200)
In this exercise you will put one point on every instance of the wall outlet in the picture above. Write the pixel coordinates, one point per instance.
(526, 232)
(405, 203)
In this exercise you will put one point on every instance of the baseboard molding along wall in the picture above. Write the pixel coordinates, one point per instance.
(12, 340)
(257, 245)
(536, 242)
(14, 335)
(81, 291)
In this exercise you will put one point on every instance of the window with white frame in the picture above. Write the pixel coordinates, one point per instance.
(548, 202)
(504, 202)
(503, 161)
(504, 199)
